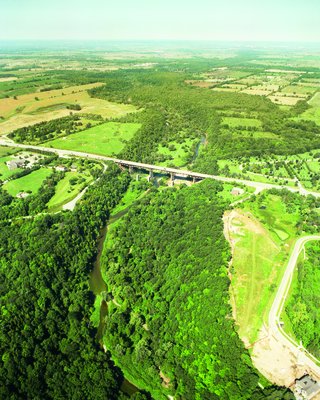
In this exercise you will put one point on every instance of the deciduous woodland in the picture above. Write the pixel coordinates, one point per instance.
(162, 325)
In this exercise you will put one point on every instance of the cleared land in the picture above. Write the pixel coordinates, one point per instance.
(66, 191)
(32, 108)
(30, 182)
(254, 256)
(178, 153)
(107, 139)
(261, 236)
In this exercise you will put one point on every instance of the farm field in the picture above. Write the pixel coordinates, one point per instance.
(30, 182)
(284, 88)
(65, 191)
(107, 139)
(36, 107)
(313, 114)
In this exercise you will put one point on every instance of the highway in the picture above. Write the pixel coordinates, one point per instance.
(303, 356)
(259, 186)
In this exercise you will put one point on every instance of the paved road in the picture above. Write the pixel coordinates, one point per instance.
(259, 186)
(303, 356)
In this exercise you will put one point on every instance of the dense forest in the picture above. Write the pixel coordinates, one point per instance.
(303, 309)
(47, 341)
(166, 270)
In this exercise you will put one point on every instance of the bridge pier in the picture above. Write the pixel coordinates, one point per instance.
(150, 176)
(130, 169)
(172, 178)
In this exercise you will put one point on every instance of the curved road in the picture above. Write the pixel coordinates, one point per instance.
(303, 356)
(259, 186)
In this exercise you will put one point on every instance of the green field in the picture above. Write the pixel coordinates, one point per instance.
(313, 114)
(4, 150)
(107, 139)
(5, 172)
(179, 153)
(30, 182)
(239, 122)
(65, 191)
(263, 234)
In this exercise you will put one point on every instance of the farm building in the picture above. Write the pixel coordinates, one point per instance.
(237, 191)
(14, 164)
(306, 388)
(22, 195)
(61, 168)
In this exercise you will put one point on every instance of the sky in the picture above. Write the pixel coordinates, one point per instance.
(223, 20)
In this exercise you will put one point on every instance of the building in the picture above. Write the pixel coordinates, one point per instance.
(306, 388)
(14, 164)
(237, 191)
(61, 168)
(22, 195)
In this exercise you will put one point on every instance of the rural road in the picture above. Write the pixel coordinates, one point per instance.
(303, 356)
(259, 186)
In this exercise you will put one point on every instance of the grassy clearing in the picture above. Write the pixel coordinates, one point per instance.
(241, 122)
(107, 139)
(263, 234)
(254, 259)
(26, 110)
(5, 151)
(5, 172)
(178, 153)
(227, 188)
(31, 182)
(65, 191)
(134, 193)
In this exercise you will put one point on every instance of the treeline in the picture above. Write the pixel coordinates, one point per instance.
(302, 309)
(46, 130)
(168, 301)
(47, 340)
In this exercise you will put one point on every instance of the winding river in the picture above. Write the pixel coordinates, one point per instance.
(99, 287)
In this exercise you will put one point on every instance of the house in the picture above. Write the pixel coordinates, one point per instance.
(14, 164)
(237, 191)
(22, 195)
(61, 168)
(306, 388)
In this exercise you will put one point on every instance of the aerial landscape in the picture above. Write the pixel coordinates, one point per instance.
(160, 200)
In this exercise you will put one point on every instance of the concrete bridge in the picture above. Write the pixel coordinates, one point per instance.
(172, 172)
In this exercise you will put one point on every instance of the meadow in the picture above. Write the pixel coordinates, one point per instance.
(65, 191)
(262, 233)
(30, 182)
(107, 139)
(179, 154)
(5, 172)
